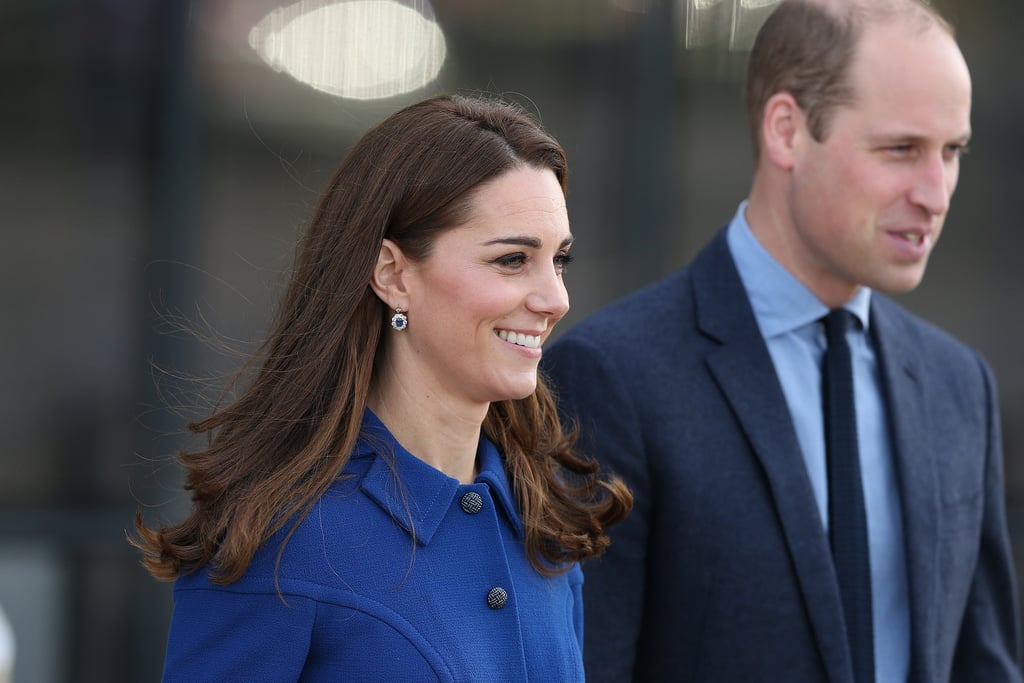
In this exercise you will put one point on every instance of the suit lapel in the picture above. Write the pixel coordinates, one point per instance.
(746, 375)
(903, 382)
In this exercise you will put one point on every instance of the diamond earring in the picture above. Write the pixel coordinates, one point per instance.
(399, 320)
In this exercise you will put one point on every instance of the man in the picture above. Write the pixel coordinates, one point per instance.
(704, 391)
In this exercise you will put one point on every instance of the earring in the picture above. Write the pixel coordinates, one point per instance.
(399, 320)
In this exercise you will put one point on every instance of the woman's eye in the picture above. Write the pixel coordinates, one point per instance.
(511, 260)
(563, 259)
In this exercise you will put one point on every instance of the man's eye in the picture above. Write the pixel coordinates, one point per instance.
(956, 150)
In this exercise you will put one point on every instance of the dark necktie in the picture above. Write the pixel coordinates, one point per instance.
(848, 531)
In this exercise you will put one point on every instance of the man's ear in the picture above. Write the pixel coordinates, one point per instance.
(782, 127)
(390, 276)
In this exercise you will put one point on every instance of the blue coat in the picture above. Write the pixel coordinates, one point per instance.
(387, 579)
(722, 573)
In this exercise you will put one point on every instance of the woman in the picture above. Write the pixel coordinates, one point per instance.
(392, 496)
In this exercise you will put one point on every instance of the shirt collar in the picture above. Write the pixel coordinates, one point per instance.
(781, 303)
(419, 497)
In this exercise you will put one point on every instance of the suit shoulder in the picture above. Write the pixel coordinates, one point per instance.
(635, 312)
(932, 343)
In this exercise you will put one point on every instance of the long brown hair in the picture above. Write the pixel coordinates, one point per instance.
(273, 451)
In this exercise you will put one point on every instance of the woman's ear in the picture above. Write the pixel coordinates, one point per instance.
(389, 279)
(782, 127)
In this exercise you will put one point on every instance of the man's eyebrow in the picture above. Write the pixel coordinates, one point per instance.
(911, 138)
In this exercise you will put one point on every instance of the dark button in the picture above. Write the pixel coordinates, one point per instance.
(497, 597)
(472, 503)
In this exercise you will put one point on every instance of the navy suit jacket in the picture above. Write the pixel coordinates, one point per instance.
(723, 572)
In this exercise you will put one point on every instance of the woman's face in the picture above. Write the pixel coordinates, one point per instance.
(490, 292)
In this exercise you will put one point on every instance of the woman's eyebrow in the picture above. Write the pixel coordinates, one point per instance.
(524, 241)
(519, 241)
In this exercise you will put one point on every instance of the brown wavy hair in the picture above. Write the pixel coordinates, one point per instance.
(276, 448)
(806, 48)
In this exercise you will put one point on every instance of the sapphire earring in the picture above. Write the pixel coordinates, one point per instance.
(399, 320)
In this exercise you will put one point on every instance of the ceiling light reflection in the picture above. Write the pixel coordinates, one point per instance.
(361, 49)
(732, 23)
(635, 6)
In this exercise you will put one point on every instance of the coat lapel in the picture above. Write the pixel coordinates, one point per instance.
(740, 364)
(903, 381)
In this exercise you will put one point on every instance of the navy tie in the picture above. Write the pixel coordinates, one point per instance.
(848, 532)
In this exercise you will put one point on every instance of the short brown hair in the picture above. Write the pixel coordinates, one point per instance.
(806, 47)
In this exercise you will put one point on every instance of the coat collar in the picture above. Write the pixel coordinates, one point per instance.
(418, 496)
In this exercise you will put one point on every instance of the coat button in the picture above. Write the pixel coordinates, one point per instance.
(497, 597)
(471, 503)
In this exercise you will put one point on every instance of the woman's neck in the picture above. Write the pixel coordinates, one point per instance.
(443, 436)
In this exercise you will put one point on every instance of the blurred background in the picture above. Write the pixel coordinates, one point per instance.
(158, 159)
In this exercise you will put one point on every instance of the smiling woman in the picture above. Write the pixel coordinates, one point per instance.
(399, 501)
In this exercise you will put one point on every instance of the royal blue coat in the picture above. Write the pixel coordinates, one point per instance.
(408, 578)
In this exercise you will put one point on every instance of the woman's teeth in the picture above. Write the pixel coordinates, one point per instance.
(528, 340)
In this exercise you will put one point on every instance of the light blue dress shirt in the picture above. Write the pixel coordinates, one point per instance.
(789, 317)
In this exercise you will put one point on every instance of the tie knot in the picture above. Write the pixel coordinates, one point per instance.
(837, 322)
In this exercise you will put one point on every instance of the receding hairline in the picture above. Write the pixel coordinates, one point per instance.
(920, 15)
(915, 17)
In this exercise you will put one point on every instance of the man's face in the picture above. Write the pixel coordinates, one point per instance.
(868, 203)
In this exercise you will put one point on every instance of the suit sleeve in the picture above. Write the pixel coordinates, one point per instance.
(591, 390)
(988, 648)
(228, 636)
